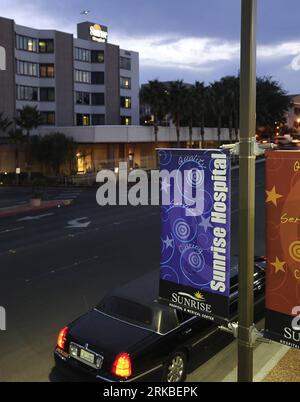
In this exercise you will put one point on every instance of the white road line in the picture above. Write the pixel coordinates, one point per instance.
(63, 268)
(35, 217)
(12, 230)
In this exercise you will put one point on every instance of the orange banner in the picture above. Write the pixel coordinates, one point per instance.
(283, 247)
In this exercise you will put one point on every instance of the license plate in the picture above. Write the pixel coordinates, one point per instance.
(87, 356)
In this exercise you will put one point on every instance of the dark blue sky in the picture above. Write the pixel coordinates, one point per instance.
(192, 39)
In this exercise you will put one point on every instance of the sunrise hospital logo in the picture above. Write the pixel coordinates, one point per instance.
(98, 33)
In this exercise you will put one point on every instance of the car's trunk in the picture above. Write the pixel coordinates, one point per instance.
(107, 336)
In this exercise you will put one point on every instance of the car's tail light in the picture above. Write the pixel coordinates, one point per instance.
(122, 365)
(61, 339)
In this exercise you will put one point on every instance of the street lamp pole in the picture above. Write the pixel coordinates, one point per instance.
(247, 188)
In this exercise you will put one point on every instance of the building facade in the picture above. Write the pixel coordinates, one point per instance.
(79, 81)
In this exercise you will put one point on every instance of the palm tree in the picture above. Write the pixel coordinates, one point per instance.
(217, 104)
(201, 104)
(177, 104)
(190, 112)
(54, 150)
(231, 103)
(28, 119)
(17, 138)
(154, 95)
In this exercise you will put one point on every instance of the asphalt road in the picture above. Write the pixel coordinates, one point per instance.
(50, 272)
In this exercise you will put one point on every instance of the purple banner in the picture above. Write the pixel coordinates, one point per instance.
(195, 231)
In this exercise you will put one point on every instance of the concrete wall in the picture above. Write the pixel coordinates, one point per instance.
(64, 94)
(7, 77)
(112, 84)
(133, 134)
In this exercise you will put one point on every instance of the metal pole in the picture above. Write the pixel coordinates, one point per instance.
(247, 188)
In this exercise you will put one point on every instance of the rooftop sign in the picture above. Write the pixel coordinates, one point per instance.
(98, 33)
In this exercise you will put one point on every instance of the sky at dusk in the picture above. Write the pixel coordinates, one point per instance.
(189, 40)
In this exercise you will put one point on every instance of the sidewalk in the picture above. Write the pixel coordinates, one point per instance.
(287, 369)
(19, 209)
(273, 362)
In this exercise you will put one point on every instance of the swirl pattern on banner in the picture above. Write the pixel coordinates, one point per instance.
(186, 239)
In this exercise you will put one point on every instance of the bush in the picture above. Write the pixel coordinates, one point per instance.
(39, 186)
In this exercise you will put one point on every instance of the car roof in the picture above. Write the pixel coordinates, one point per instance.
(145, 289)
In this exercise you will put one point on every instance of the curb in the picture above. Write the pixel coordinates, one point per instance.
(16, 209)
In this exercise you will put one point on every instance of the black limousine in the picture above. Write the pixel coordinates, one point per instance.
(129, 336)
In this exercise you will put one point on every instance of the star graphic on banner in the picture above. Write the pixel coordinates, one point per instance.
(278, 265)
(205, 223)
(168, 242)
(165, 185)
(273, 196)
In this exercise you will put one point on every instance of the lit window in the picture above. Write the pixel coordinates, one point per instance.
(126, 120)
(126, 102)
(86, 120)
(125, 82)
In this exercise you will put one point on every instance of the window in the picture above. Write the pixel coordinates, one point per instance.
(98, 98)
(47, 94)
(47, 118)
(126, 102)
(82, 119)
(125, 82)
(125, 63)
(27, 93)
(126, 120)
(98, 119)
(297, 111)
(82, 98)
(27, 68)
(97, 78)
(82, 54)
(83, 76)
(46, 46)
(46, 70)
(127, 310)
(26, 43)
(97, 56)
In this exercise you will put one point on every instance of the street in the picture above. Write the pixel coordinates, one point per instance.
(57, 264)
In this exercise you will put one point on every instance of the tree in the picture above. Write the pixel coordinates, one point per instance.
(5, 122)
(28, 119)
(54, 150)
(272, 104)
(231, 103)
(191, 111)
(154, 94)
(216, 98)
(195, 106)
(201, 104)
(177, 96)
(17, 138)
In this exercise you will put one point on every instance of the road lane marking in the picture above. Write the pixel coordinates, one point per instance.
(58, 270)
(75, 223)
(34, 218)
(12, 230)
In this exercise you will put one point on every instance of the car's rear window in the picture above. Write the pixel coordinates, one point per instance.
(127, 310)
